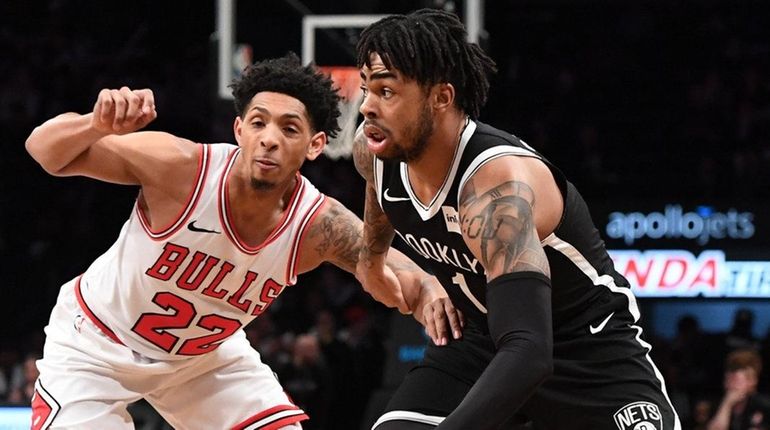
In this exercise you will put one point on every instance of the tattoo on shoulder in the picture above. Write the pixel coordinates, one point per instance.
(501, 221)
(336, 237)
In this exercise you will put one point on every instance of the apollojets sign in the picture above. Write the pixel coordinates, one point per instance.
(701, 225)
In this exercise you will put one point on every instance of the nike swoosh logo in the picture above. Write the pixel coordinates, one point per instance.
(390, 198)
(601, 325)
(192, 227)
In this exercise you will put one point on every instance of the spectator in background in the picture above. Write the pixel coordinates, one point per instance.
(764, 352)
(23, 381)
(742, 407)
(308, 382)
(339, 357)
(689, 356)
(702, 410)
(8, 358)
(741, 334)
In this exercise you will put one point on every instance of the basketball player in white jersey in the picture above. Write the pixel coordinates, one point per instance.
(217, 232)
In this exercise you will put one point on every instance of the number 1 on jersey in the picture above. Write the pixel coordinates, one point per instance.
(459, 280)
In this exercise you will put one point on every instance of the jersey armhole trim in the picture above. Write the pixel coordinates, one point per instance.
(487, 156)
(274, 418)
(186, 211)
(91, 316)
(296, 249)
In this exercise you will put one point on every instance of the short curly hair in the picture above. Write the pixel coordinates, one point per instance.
(286, 75)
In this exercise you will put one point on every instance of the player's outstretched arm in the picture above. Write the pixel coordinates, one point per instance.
(498, 224)
(336, 236)
(104, 144)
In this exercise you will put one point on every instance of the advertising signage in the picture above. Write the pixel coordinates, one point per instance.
(700, 225)
(676, 250)
(681, 273)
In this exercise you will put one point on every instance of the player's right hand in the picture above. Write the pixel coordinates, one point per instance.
(439, 315)
(123, 111)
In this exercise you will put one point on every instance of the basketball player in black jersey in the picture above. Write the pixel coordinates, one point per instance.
(551, 335)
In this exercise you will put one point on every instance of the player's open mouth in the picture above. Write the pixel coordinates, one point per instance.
(375, 138)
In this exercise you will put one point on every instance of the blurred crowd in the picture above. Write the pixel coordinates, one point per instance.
(629, 99)
(701, 369)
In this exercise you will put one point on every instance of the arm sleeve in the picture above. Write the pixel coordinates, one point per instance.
(519, 316)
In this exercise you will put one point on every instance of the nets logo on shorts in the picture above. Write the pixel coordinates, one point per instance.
(639, 416)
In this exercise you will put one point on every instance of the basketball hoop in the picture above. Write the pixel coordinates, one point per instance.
(348, 80)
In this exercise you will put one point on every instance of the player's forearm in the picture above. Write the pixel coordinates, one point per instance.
(375, 268)
(379, 280)
(377, 236)
(519, 316)
(411, 278)
(508, 381)
(60, 140)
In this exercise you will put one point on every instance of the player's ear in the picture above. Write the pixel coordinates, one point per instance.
(237, 128)
(317, 145)
(443, 96)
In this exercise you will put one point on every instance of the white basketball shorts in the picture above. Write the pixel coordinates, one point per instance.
(87, 380)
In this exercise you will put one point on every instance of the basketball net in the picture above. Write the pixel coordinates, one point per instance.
(348, 80)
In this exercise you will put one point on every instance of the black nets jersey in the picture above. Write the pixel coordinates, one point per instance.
(586, 289)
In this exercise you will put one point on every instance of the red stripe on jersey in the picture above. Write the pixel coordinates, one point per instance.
(297, 416)
(315, 209)
(284, 422)
(187, 209)
(94, 319)
(226, 219)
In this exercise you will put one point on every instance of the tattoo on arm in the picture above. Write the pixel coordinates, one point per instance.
(378, 233)
(362, 158)
(337, 235)
(501, 223)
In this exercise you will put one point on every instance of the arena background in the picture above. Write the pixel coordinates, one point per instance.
(658, 110)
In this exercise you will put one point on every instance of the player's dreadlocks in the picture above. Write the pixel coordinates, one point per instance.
(286, 75)
(430, 46)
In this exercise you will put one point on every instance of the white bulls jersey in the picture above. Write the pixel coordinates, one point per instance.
(180, 290)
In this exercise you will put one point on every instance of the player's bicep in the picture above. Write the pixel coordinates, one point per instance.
(499, 227)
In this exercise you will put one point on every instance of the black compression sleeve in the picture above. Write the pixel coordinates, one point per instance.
(519, 316)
